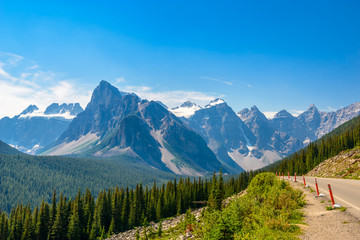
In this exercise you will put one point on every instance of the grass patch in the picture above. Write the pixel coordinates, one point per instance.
(345, 222)
(322, 201)
(342, 209)
(329, 208)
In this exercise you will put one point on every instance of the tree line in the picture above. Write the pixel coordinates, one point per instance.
(117, 209)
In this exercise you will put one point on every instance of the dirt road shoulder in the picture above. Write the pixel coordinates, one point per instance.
(321, 223)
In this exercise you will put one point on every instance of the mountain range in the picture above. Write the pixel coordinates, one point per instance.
(189, 139)
(250, 139)
(33, 129)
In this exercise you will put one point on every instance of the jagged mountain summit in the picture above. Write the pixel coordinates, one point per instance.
(331, 120)
(287, 133)
(71, 109)
(116, 123)
(32, 129)
(229, 137)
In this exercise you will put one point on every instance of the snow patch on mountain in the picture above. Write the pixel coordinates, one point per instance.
(250, 162)
(306, 141)
(63, 111)
(40, 113)
(186, 110)
(215, 102)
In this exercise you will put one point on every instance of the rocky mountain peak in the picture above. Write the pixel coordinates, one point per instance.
(252, 115)
(283, 114)
(188, 104)
(105, 95)
(29, 109)
(244, 112)
(312, 108)
(254, 109)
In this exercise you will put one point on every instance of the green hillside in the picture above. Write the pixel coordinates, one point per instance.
(346, 136)
(6, 149)
(27, 179)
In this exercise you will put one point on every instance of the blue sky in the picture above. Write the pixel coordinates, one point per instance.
(272, 54)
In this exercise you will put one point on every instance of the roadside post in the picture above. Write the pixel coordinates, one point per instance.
(332, 198)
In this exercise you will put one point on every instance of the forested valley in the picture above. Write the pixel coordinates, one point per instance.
(117, 209)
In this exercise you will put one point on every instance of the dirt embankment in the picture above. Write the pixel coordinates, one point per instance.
(344, 165)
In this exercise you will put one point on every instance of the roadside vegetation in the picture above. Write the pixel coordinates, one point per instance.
(269, 210)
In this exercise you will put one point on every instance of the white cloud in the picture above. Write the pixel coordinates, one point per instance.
(35, 66)
(227, 82)
(19, 88)
(23, 83)
(218, 80)
(120, 80)
(269, 115)
(331, 109)
(296, 113)
(171, 98)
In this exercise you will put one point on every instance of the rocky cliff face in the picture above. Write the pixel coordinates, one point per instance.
(345, 165)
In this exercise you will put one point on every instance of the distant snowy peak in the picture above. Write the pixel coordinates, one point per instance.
(71, 108)
(283, 114)
(30, 109)
(186, 110)
(188, 104)
(64, 111)
(215, 102)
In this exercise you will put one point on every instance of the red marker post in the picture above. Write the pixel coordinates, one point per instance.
(331, 196)
(317, 188)
(304, 181)
(288, 175)
(295, 177)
